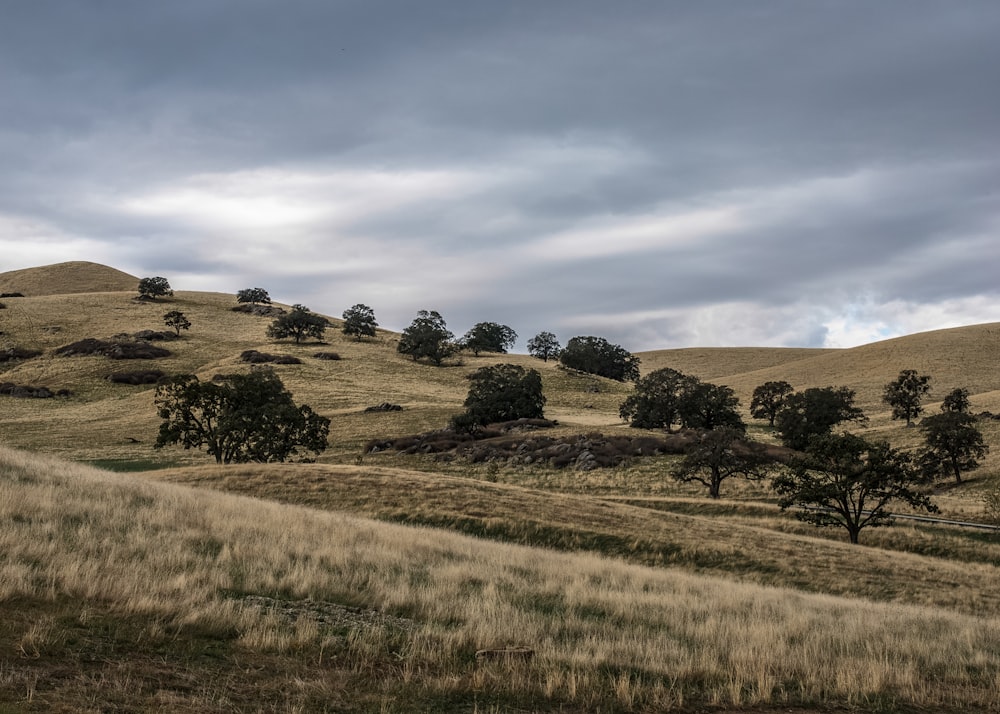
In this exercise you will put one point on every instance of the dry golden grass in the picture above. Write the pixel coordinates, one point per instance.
(608, 635)
(765, 548)
(67, 278)
(649, 640)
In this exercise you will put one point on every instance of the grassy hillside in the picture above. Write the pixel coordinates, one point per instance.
(67, 278)
(634, 605)
(123, 594)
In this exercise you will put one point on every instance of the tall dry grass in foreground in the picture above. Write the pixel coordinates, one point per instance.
(606, 634)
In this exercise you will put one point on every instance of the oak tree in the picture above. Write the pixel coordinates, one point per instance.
(298, 324)
(848, 482)
(768, 398)
(544, 345)
(905, 393)
(238, 418)
(359, 321)
(953, 444)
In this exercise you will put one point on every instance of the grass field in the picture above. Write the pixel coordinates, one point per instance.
(367, 582)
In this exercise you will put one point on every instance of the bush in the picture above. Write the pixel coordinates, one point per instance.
(154, 336)
(148, 376)
(333, 356)
(112, 349)
(26, 392)
(260, 310)
(384, 407)
(16, 353)
(11, 295)
(255, 357)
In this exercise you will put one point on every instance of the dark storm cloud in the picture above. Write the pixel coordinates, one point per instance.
(664, 173)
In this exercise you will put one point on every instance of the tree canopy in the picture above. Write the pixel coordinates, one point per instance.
(428, 337)
(703, 405)
(814, 412)
(153, 288)
(905, 393)
(240, 418)
(768, 399)
(299, 324)
(489, 337)
(595, 355)
(953, 444)
(655, 401)
(502, 392)
(359, 321)
(543, 346)
(957, 400)
(845, 481)
(253, 296)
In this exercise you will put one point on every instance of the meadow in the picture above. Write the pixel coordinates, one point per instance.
(368, 582)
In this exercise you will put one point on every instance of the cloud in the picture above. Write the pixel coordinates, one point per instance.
(672, 173)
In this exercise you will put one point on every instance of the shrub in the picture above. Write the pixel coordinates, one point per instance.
(384, 407)
(31, 392)
(333, 356)
(148, 376)
(260, 310)
(112, 349)
(15, 353)
(255, 357)
(11, 295)
(154, 336)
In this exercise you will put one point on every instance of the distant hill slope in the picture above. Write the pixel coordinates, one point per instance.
(66, 279)
(103, 420)
(957, 357)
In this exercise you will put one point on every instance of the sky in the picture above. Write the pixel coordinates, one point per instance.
(802, 173)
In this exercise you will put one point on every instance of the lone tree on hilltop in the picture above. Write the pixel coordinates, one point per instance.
(953, 444)
(489, 337)
(814, 412)
(501, 392)
(849, 482)
(721, 454)
(177, 320)
(241, 418)
(428, 337)
(299, 324)
(957, 400)
(544, 345)
(359, 321)
(655, 401)
(595, 355)
(253, 296)
(152, 288)
(905, 393)
(768, 399)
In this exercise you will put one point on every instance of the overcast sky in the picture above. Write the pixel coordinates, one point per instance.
(660, 173)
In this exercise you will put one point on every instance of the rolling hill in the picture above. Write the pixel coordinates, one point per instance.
(440, 558)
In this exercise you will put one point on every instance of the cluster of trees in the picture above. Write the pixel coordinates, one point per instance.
(832, 479)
